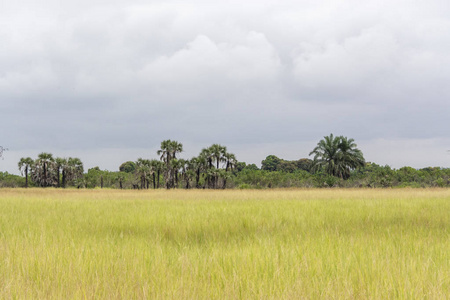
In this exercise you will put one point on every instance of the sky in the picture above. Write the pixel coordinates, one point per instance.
(107, 81)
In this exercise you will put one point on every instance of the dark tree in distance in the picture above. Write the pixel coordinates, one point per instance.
(25, 165)
(271, 163)
(127, 167)
(168, 152)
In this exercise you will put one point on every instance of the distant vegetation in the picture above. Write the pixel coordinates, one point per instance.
(337, 162)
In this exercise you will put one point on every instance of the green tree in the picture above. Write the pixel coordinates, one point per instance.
(304, 164)
(337, 156)
(271, 163)
(25, 165)
(127, 167)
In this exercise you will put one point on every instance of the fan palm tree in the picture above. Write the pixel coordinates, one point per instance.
(74, 170)
(60, 166)
(218, 152)
(168, 152)
(215, 154)
(143, 170)
(25, 165)
(230, 160)
(198, 165)
(43, 171)
(157, 167)
(337, 156)
(183, 164)
(206, 156)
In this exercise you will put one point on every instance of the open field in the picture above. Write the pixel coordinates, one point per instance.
(349, 244)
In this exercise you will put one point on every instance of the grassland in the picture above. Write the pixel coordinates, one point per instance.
(311, 244)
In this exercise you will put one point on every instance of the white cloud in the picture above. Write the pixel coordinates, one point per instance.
(204, 68)
(128, 74)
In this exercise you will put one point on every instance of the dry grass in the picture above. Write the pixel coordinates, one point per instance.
(271, 244)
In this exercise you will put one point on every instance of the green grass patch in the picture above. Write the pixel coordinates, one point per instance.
(244, 244)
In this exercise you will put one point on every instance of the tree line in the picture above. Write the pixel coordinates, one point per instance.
(47, 171)
(336, 162)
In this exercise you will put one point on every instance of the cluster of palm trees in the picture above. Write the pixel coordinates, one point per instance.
(47, 171)
(337, 156)
(210, 169)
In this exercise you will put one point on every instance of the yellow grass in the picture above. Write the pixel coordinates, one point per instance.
(271, 244)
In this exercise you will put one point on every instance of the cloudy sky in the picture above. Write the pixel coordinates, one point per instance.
(108, 80)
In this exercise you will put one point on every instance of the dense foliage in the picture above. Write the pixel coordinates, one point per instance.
(337, 156)
(336, 163)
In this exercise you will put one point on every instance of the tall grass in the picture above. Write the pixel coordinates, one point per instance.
(353, 244)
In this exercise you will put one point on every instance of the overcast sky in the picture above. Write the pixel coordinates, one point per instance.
(107, 81)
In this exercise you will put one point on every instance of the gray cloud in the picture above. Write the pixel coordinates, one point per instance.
(117, 77)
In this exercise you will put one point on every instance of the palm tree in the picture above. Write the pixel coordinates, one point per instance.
(60, 165)
(350, 157)
(198, 165)
(143, 171)
(24, 165)
(166, 157)
(206, 156)
(181, 166)
(337, 156)
(157, 167)
(218, 152)
(168, 152)
(231, 161)
(214, 155)
(225, 175)
(73, 171)
(43, 171)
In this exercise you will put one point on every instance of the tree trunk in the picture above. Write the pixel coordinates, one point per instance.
(175, 184)
(154, 180)
(26, 176)
(217, 181)
(101, 181)
(197, 184)
(158, 173)
(63, 178)
(44, 182)
(187, 180)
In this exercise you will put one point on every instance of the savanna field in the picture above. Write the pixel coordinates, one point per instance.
(231, 244)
